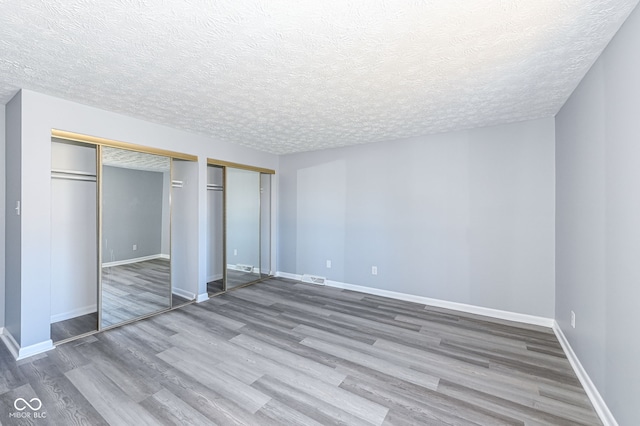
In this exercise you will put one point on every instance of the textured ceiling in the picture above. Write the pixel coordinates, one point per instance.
(289, 76)
(135, 160)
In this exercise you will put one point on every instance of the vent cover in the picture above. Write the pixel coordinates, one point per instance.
(313, 279)
(244, 268)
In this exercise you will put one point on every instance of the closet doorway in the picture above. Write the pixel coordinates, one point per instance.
(121, 215)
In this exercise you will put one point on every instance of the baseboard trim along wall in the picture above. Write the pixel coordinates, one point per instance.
(463, 307)
(590, 388)
(74, 313)
(21, 353)
(183, 293)
(135, 260)
(202, 297)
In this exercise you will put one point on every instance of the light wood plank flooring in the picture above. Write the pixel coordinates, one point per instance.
(280, 352)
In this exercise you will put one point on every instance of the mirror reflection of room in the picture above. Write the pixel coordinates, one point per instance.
(242, 194)
(136, 245)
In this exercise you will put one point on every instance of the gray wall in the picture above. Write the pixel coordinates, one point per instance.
(131, 213)
(2, 212)
(598, 222)
(13, 223)
(466, 217)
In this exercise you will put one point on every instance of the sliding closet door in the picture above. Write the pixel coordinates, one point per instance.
(242, 194)
(184, 229)
(265, 225)
(74, 277)
(135, 236)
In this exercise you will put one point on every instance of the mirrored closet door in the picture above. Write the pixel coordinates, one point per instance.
(135, 235)
(239, 225)
(242, 190)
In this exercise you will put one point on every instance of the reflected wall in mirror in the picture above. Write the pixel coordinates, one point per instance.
(135, 235)
(242, 194)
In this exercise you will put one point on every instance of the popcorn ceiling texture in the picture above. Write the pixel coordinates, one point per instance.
(289, 76)
(135, 160)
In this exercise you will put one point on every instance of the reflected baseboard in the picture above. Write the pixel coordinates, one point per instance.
(135, 260)
(215, 277)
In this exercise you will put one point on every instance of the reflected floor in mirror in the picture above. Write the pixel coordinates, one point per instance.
(134, 289)
(215, 287)
(238, 278)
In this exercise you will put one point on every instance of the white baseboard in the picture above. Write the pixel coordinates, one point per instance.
(22, 353)
(590, 388)
(289, 276)
(463, 307)
(183, 293)
(202, 297)
(135, 260)
(74, 313)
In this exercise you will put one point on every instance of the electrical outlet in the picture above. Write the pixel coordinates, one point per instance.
(573, 319)
(135, 247)
(235, 252)
(374, 270)
(328, 264)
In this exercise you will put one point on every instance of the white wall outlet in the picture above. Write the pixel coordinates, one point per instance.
(235, 252)
(573, 319)
(374, 270)
(135, 247)
(328, 264)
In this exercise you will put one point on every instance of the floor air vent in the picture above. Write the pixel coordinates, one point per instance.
(313, 279)
(244, 268)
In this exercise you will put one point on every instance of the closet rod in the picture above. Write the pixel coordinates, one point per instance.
(73, 177)
(72, 172)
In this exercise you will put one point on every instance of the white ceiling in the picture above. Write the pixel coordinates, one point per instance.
(288, 76)
(126, 159)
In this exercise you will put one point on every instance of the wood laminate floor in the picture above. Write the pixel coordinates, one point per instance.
(280, 352)
(135, 289)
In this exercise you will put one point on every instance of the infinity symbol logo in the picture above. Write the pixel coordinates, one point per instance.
(24, 404)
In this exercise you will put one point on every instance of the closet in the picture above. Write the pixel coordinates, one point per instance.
(239, 225)
(123, 227)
